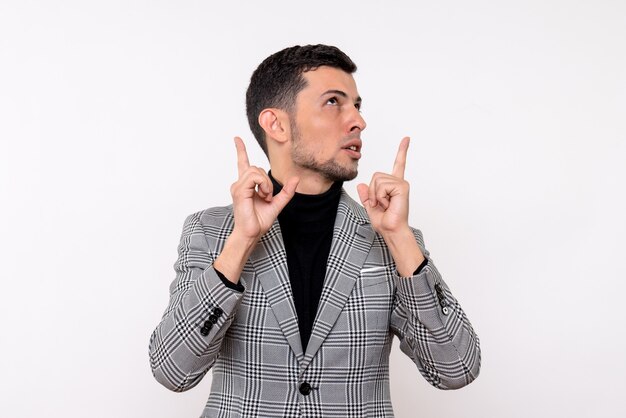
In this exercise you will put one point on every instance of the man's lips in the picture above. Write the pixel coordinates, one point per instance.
(353, 154)
(354, 146)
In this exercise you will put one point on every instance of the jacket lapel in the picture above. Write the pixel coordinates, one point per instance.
(270, 264)
(352, 239)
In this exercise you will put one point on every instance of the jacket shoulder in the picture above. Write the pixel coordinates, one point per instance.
(216, 222)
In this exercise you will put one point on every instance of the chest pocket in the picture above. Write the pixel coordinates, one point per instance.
(373, 275)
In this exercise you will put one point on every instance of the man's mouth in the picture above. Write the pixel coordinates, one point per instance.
(354, 149)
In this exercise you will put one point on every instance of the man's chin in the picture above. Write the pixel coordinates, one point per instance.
(331, 169)
(341, 175)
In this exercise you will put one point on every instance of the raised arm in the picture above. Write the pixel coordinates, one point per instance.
(254, 208)
(433, 329)
(186, 343)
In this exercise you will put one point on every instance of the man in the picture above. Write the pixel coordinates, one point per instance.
(292, 294)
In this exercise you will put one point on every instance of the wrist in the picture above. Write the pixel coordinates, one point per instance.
(234, 255)
(405, 251)
(240, 240)
(399, 237)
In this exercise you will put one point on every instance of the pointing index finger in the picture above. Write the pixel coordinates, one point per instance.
(242, 156)
(400, 163)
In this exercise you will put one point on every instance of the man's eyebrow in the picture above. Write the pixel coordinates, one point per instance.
(342, 94)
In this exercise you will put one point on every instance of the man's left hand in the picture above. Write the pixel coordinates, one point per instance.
(386, 201)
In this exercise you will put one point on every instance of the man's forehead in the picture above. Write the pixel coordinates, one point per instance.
(326, 78)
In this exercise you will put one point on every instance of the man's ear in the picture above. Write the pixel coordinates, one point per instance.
(275, 123)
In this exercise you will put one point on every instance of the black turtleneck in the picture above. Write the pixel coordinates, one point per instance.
(306, 224)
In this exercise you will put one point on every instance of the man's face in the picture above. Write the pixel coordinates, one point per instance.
(326, 129)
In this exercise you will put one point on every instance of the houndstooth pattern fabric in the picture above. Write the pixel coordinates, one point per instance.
(254, 347)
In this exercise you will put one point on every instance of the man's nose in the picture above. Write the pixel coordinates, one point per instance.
(357, 121)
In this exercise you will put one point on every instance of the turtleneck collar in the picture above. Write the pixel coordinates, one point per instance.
(309, 208)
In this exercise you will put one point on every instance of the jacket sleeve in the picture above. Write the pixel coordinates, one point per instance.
(186, 343)
(433, 329)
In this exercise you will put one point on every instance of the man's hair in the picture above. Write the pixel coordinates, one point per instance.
(278, 79)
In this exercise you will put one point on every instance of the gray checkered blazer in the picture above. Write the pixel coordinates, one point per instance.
(251, 340)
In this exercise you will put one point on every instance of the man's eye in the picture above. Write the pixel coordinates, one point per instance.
(332, 101)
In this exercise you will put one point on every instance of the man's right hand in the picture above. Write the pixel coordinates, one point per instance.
(255, 209)
(254, 206)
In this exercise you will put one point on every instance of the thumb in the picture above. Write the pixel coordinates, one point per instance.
(363, 192)
(284, 196)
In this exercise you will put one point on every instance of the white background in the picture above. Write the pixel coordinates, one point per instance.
(116, 122)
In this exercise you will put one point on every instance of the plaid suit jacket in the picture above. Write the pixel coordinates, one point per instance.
(251, 340)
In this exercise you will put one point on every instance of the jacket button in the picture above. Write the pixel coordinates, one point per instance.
(445, 310)
(206, 328)
(213, 318)
(305, 389)
(218, 312)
